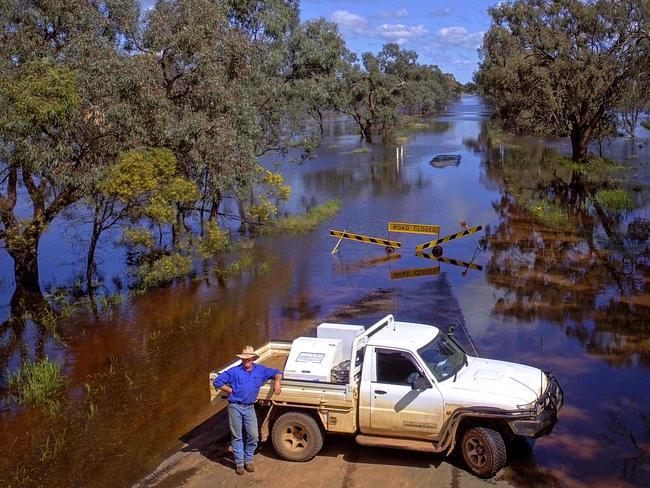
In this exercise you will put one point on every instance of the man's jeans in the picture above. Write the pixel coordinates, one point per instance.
(243, 417)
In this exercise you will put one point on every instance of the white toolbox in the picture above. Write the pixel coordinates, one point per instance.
(312, 359)
(347, 333)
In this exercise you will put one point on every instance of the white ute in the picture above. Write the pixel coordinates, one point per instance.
(401, 385)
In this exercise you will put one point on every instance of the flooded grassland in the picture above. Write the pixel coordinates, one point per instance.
(559, 278)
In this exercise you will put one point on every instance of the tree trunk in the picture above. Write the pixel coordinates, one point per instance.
(366, 133)
(579, 143)
(90, 258)
(24, 252)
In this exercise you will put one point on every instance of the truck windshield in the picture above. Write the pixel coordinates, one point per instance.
(443, 357)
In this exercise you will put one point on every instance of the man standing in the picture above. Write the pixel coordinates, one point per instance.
(242, 384)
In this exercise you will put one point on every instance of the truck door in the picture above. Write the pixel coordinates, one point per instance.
(396, 409)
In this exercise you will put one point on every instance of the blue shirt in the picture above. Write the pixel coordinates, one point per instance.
(245, 384)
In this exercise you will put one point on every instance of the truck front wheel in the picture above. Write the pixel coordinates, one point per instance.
(296, 436)
(484, 451)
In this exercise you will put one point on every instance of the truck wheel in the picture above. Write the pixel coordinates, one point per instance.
(484, 451)
(296, 436)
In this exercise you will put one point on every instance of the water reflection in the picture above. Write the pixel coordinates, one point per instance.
(562, 270)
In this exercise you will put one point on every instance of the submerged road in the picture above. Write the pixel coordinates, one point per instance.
(204, 460)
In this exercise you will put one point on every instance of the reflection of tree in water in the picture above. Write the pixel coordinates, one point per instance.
(27, 308)
(628, 427)
(577, 268)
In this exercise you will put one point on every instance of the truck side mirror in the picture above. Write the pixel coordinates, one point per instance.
(418, 382)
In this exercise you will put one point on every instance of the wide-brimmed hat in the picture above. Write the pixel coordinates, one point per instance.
(248, 353)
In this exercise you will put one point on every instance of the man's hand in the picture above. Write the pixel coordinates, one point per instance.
(277, 389)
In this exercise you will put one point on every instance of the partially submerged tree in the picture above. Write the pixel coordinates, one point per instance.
(560, 67)
(61, 115)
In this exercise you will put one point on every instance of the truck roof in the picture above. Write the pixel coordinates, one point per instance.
(406, 335)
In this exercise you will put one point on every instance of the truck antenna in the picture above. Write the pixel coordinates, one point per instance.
(468, 337)
(541, 377)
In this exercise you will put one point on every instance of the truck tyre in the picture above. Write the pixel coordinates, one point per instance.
(484, 451)
(297, 436)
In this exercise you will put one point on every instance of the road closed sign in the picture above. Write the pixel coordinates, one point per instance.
(414, 273)
(413, 228)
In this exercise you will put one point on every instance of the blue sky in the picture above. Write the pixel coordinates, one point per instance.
(445, 33)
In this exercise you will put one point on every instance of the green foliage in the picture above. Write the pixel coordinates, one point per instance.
(646, 124)
(148, 180)
(214, 240)
(548, 213)
(616, 200)
(163, 270)
(303, 223)
(138, 237)
(44, 96)
(36, 382)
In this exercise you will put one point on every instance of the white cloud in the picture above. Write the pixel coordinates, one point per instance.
(398, 14)
(459, 36)
(349, 22)
(401, 33)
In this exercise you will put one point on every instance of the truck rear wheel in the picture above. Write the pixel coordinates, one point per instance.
(484, 451)
(296, 436)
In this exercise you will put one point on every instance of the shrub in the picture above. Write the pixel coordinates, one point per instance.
(36, 382)
(616, 200)
(164, 270)
(303, 223)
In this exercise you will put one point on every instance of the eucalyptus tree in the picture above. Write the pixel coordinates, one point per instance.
(560, 67)
(237, 80)
(61, 113)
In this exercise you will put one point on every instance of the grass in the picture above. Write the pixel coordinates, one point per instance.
(549, 214)
(360, 150)
(300, 224)
(36, 382)
(646, 124)
(617, 200)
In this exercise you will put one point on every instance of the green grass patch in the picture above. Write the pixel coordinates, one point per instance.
(549, 214)
(417, 126)
(617, 200)
(646, 124)
(36, 382)
(360, 150)
(300, 224)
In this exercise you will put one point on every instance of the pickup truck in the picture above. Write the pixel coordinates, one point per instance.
(408, 386)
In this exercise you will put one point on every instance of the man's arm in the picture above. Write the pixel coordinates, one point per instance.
(222, 381)
(277, 388)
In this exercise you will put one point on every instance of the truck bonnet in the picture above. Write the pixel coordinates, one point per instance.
(502, 384)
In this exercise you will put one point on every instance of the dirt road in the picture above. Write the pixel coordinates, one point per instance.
(205, 461)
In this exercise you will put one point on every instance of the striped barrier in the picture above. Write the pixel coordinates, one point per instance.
(370, 240)
(450, 237)
(455, 262)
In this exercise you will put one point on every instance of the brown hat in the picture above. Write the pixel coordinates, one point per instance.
(248, 353)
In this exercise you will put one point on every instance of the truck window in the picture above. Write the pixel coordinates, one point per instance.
(394, 367)
(443, 357)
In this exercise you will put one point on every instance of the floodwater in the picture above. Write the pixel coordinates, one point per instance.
(573, 298)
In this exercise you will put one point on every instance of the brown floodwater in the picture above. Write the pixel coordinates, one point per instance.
(557, 279)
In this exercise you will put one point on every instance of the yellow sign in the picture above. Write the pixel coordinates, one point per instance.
(412, 273)
(413, 228)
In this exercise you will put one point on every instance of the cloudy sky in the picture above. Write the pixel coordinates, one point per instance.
(443, 32)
